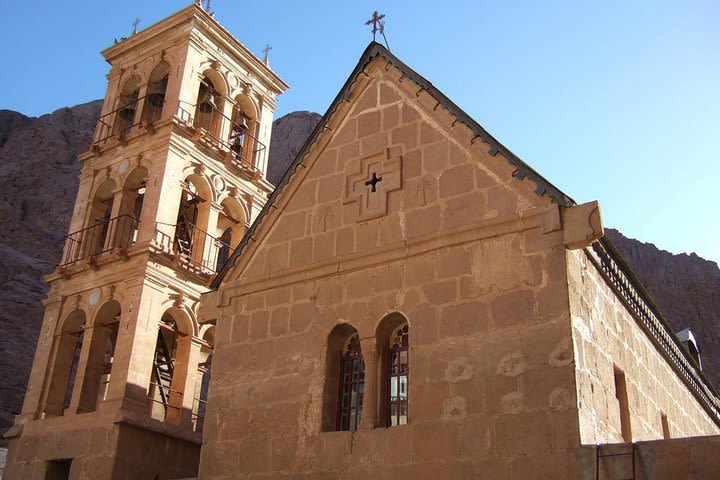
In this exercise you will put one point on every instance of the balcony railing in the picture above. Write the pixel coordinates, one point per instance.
(223, 132)
(195, 249)
(123, 120)
(118, 232)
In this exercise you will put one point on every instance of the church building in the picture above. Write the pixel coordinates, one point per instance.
(412, 300)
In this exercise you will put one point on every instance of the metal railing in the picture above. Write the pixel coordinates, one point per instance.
(119, 232)
(123, 120)
(196, 249)
(223, 132)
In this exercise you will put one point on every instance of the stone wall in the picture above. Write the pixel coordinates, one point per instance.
(693, 458)
(118, 452)
(607, 337)
(490, 384)
(466, 253)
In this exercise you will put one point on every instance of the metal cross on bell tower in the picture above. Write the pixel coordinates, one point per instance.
(266, 51)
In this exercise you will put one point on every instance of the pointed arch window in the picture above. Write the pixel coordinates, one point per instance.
(352, 385)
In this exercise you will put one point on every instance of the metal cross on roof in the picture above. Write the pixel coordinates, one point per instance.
(375, 21)
(135, 25)
(266, 51)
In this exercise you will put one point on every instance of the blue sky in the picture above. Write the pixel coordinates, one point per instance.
(613, 101)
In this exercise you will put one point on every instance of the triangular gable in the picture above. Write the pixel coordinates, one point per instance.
(519, 169)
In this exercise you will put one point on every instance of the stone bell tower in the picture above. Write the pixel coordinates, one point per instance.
(174, 176)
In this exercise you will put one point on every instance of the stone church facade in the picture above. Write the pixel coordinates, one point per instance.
(527, 337)
(411, 301)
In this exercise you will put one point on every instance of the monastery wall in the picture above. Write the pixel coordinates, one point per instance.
(117, 452)
(608, 339)
(691, 458)
(491, 375)
(476, 269)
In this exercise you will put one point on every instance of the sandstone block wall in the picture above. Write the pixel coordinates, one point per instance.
(108, 451)
(606, 337)
(692, 458)
(464, 251)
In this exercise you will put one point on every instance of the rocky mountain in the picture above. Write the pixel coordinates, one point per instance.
(288, 136)
(38, 183)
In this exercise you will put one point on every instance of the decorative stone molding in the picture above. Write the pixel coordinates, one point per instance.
(582, 225)
(377, 175)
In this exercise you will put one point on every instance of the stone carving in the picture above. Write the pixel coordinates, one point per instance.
(582, 225)
(378, 175)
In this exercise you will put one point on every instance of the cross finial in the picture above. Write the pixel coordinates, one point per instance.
(135, 25)
(266, 51)
(375, 21)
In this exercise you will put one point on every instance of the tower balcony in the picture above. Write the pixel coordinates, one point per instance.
(214, 129)
(124, 121)
(192, 248)
(115, 234)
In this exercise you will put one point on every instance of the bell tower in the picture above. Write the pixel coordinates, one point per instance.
(173, 178)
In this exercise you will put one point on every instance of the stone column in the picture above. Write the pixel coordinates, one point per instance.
(36, 393)
(370, 399)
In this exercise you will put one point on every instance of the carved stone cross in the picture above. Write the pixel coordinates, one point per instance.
(370, 184)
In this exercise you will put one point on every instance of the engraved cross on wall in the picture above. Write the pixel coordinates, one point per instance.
(370, 185)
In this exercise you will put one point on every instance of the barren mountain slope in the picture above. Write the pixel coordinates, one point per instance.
(288, 136)
(38, 183)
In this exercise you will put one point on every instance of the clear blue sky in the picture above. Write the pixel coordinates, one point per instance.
(616, 101)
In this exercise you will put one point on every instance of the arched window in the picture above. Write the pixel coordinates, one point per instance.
(100, 357)
(133, 196)
(155, 98)
(393, 340)
(230, 229)
(95, 239)
(352, 385)
(192, 242)
(243, 137)
(344, 380)
(170, 367)
(64, 367)
(208, 107)
(126, 108)
(398, 369)
(163, 367)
